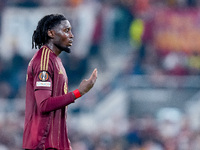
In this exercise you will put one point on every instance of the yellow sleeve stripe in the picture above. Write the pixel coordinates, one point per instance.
(44, 59)
(47, 59)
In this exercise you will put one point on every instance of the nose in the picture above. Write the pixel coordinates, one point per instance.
(71, 35)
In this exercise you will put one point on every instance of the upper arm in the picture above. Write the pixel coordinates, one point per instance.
(43, 70)
(43, 81)
(41, 96)
(42, 75)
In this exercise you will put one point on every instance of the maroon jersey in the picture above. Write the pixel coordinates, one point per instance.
(45, 119)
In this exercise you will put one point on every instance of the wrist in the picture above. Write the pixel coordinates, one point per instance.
(77, 93)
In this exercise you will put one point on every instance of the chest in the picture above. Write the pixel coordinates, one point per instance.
(59, 70)
(60, 78)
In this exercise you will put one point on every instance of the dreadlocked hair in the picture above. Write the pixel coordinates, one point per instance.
(40, 36)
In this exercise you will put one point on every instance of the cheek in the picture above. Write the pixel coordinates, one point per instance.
(64, 37)
(61, 36)
(61, 39)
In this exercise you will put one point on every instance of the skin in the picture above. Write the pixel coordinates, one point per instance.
(61, 38)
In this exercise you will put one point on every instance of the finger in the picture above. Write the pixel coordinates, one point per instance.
(93, 75)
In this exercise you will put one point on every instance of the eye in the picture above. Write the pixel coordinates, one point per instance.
(67, 30)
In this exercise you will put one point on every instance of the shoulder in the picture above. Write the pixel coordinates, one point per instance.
(44, 59)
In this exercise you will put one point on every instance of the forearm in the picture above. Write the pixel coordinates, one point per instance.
(47, 103)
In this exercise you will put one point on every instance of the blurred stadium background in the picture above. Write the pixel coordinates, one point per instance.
(147, 96)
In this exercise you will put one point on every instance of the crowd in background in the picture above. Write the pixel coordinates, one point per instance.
(128, 25)
(121, 28)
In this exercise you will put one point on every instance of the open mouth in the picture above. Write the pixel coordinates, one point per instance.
(70, 42)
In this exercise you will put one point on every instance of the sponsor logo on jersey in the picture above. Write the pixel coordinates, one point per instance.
(60, 72)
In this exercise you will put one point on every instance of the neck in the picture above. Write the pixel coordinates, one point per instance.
(54, 48)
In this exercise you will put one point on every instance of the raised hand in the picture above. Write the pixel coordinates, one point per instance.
(87, 84)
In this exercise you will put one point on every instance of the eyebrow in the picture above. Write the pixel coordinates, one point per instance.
(65, 28)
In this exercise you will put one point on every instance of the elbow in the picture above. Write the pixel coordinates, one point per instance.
(43, 108)
(42, 111)
(42, 97)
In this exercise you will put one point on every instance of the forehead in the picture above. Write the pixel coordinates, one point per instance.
(64, 24)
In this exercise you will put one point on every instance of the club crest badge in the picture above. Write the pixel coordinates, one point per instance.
(43, 76)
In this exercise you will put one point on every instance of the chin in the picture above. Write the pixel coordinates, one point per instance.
(67, 49)
(64, 48)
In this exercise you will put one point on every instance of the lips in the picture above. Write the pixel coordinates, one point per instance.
(70, 42)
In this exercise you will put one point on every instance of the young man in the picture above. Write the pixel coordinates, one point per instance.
(47, 86)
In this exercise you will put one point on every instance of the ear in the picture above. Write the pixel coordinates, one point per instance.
(51, 33)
